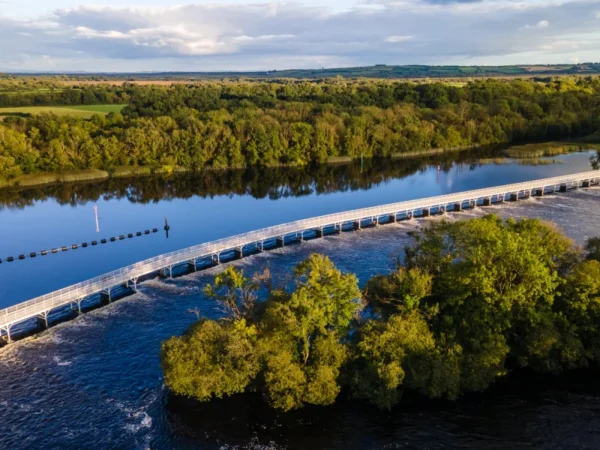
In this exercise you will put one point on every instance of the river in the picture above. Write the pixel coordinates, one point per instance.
(95, 382)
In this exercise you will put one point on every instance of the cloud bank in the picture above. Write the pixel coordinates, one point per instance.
(278, 35)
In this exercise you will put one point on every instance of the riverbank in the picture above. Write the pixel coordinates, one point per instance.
(526, 153)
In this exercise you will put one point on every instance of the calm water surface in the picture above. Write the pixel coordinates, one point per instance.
(95, 382)
(200, 211)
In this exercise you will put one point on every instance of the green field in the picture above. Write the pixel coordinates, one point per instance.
(84, 111)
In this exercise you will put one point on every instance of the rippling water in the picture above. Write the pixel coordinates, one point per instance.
(95, 382)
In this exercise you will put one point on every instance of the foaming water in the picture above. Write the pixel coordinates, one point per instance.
(96, 381)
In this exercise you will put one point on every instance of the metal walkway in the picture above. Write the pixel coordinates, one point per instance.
(128, 276)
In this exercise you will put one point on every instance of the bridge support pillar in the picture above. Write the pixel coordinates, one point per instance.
(319, 233)
(238, 253)
(426, 212)
(280, 242)
(514, 197)
(457, 207)
(563, 188)
(585, 184)
(42, 320)
(393, 218)
(7, 329)
(487, 201)
(106, 296)
(338, 228)
(166, 272)
(538, 192)
(78, 303)
(356, 225)
(260, 246)
(192, 265)
(216, 258)
(134, 281)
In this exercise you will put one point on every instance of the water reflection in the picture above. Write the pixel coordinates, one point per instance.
(266, 183)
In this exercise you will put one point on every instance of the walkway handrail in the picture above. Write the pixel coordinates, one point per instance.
(30, 308)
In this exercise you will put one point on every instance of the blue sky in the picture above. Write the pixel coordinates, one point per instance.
(166, 35)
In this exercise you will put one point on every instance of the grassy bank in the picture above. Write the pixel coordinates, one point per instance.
(83, 111)
(551, 148)
(40, 179)
(433, 151)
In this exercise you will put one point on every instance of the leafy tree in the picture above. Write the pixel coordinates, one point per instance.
(401, 290)
(212, 359)
(305, 333)
(592, 246)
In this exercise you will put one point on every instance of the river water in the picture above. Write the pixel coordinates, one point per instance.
(95, 382)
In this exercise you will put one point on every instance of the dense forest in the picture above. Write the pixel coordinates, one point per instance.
(467, 303)
(268, 123)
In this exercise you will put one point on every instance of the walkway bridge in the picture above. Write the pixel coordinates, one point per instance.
(277, 236)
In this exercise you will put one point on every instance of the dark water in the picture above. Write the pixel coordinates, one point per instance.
(95, 382)
(201, 208)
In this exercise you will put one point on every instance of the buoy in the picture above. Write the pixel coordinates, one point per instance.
(121, 237)
(10, 259)
(113, 239)
(130, 235)
(44, 252)
(155, 230)
(94, 243)
(84, 245)
(74, 246)
(103, 241)
(54, 250)
(147, 232)
(139, 233)
(21, 256)
(64, 249)
(32, 254)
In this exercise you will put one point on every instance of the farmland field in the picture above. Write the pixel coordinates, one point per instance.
(84, 111)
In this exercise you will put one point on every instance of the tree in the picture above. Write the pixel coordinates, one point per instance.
(401, 290)
(592, 247)
(236, 294)
(390, 354)
(211, 360)
(305, 334)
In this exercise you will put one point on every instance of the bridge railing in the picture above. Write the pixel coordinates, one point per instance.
(95, 285)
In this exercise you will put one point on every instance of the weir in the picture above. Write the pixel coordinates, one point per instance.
(129, 276)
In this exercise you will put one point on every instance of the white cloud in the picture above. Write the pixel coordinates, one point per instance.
(540, 25)
(266, 37)
(395, 39)
(277, 35)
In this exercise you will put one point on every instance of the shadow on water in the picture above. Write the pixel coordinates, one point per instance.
(524, 410)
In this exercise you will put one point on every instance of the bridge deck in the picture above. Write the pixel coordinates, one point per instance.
(75, 293)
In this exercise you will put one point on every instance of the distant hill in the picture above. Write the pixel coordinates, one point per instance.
(377, 71)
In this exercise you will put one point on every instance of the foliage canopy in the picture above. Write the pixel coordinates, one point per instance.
(469, 302)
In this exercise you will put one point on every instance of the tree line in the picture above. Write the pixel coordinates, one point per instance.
(468, 303)
(220, 125)
(272, 183)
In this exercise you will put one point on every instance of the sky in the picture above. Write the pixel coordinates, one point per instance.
(244, 35)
